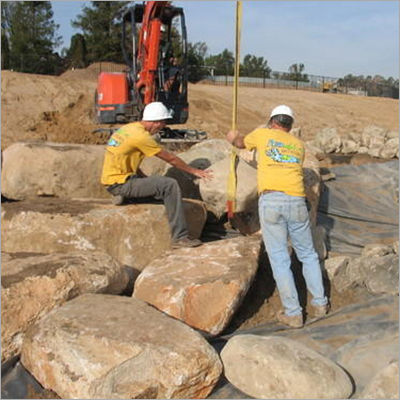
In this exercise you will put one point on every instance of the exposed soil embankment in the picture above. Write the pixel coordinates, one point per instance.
(61, 109)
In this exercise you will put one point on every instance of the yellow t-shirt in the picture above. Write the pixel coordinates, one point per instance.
(125, 151)
(280, 160)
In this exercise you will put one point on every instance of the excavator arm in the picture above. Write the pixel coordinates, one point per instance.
(149, 49)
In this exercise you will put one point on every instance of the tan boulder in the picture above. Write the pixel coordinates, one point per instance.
(34, 284)
(107, 347)
(214, 192)
(384, 385)
(202, 155)
(280, 368)
(204, 286)
(52, 169)
(133, 234)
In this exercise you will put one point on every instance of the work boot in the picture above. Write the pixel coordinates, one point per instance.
(321, 311)
(118, 200)
(186, 242)
(294, 321)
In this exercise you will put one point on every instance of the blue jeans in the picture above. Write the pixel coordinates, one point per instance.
(281, 216)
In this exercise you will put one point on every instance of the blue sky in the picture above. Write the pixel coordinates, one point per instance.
(331, 38)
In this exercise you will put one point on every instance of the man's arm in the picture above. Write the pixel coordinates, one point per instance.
(236, 139)
(180, 164)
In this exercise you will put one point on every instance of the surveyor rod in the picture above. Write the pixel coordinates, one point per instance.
(231, 195)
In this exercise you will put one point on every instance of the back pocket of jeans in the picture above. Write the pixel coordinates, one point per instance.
(271, 215)
(299, 213)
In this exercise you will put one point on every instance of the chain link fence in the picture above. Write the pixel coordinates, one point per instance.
(276, 79)
(315, 83)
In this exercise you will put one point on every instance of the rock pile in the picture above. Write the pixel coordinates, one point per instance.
(377, 270)
(373, 140)
(100, 307)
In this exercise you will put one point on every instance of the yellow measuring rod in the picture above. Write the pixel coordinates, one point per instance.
(231, 194)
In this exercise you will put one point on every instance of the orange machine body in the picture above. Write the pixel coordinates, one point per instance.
(112, 95)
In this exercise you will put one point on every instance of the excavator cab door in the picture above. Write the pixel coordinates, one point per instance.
(148, 46)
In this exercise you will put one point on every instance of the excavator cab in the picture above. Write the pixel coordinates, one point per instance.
(154, 45)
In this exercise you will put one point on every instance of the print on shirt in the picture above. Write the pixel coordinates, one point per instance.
(112, 142)
(275, 151)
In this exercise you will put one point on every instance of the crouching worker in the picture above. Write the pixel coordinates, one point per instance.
(123, 178)
(283, 211)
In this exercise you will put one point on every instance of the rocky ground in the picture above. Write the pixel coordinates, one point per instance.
(60, 109)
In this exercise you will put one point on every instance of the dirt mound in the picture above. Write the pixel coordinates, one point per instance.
(92, 72)
(61, 109)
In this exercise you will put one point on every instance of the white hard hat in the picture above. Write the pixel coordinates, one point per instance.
(156, 111)
(282, 110)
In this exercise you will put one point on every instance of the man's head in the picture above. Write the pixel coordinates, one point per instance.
(155, 117)
(282, 117)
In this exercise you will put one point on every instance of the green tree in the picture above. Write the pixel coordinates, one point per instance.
(195, 59)
(76, 54)
(296, 73)
(6, 9)
(101, 31)
(255, 67)
(223, 63)
(32, 37)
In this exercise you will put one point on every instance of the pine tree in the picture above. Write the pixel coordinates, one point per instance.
(32, 37)
(101, 32)
(77, 55)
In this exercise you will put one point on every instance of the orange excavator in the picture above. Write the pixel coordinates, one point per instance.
(154, 38)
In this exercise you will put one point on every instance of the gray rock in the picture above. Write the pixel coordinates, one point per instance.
(390, 149)
(372, 250)
(201, 156)
(349, 275)
(334, 264)
(280, 368)
(365, 356)
(101, 346)
(349, 146)
(381, 274)
(372, 132)
(328, 140)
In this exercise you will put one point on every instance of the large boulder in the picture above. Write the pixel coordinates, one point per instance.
(384, 385)
(369, 353)
(202, 287)
(377, 270)
(281, 368)
(201, 156)
(34, 284)
(328, 140)
(107, 347)
(52, 169)
(133, 234)
(214, 191)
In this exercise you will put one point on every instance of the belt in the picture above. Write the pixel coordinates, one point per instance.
(271, 191)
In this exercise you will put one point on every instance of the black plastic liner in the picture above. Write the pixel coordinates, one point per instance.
(360, 206)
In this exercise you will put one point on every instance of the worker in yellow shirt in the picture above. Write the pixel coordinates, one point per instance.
(123, 178)
(283, 211)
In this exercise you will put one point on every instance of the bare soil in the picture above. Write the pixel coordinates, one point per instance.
(61, 109)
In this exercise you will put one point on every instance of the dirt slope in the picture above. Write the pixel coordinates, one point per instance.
(60, 109)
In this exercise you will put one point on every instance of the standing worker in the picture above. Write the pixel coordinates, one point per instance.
(123, 178)
(283, 211)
